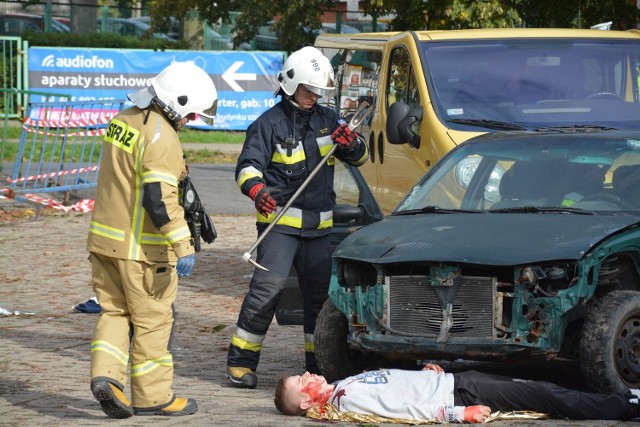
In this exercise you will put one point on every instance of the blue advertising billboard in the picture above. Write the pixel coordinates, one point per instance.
(246, 81)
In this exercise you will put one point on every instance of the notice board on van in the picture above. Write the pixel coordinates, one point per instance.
(246, 81)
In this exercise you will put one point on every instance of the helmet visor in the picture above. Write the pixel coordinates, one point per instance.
(207, 115)
(320, 90)
(322, 85)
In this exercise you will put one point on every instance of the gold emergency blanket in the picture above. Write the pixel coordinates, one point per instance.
(329, 412)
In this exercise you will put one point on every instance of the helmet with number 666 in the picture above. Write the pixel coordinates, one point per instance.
(308, 67)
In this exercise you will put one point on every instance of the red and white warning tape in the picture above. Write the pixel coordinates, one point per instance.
(68, 118)
(83, 205)
(90, 132)
(53, 174)
(59, 121)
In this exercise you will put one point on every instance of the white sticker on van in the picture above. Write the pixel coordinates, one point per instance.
(455, 111)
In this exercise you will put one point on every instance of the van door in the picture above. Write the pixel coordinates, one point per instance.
(399, 165)
(357, 74)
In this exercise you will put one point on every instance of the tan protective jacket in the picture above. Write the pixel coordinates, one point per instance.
(135, 154)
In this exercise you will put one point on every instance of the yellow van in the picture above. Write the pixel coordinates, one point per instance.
(432, 90)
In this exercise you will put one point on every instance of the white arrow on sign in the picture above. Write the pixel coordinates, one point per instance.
(230, 76)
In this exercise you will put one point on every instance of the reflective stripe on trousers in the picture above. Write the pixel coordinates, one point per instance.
(279, 252)
(134, 296)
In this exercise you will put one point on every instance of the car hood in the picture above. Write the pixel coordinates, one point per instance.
(481, 238)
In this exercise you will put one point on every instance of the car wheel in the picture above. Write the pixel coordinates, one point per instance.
(335, 360)
(610, 343)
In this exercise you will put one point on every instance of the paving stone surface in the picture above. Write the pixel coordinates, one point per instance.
(44, 344)
(44, 350)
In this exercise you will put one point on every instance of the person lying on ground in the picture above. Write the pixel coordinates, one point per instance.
(433, 395)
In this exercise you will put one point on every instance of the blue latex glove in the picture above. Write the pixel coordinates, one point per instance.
(185, 265)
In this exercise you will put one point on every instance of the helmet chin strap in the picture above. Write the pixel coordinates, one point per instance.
(174, 118)
(292, 101)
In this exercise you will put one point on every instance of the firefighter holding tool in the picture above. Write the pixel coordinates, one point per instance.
(280, 153)
(139, 243)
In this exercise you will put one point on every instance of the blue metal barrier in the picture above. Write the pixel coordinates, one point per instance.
(60, 148)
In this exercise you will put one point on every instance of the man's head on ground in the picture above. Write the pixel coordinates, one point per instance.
(295, 394)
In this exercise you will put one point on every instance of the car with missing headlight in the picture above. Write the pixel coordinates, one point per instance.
(536, 258)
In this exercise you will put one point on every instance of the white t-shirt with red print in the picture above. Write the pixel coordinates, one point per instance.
(394, 393)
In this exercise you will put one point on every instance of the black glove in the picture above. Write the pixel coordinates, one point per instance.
(207, 229)
(200, 224)
(189, 199)
(265, 204)
(193, 221)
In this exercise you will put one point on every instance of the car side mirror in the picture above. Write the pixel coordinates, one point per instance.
(343, 214)
(400, 119)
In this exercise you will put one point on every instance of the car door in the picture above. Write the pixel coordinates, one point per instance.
(355, 207)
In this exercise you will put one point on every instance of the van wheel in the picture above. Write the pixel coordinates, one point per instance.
(610, 343)
(335, 359)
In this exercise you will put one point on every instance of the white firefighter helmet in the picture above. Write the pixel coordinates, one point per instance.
(186, 88)
(309, 67)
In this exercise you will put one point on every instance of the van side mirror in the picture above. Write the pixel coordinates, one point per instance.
(400, 118)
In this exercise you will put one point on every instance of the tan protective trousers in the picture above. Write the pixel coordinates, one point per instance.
(136, 298)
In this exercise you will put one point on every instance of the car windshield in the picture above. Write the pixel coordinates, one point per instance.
(577, 173)
(534, 83)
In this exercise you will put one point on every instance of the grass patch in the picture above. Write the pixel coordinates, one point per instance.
(9, 151)
(11, 132)
(209, 156)
(207, 136)
(186, 135)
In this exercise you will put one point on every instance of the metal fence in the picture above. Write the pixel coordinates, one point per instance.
(59, 152)
(13, 76)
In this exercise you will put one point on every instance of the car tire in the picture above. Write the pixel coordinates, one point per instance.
(335, 360)
(609, 358)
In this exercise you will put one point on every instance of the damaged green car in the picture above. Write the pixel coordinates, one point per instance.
(519, 246)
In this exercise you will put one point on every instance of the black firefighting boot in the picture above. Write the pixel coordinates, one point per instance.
(634, 405)
(179, 406)
(113, 401)
(242, 377)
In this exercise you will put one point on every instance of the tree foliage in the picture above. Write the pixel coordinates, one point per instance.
(624, 15)
(575, 13)
(445, 14)
(101, 40)
(295, 20)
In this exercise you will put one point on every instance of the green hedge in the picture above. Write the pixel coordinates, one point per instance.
(101, 40)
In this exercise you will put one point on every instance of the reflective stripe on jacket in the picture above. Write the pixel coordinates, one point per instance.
(281, 149)
(135, 154)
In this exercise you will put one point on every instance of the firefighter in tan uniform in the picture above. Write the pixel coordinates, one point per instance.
(140, 243)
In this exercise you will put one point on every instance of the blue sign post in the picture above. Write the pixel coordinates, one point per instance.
(246, 81)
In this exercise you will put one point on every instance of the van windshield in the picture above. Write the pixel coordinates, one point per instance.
(534, 83)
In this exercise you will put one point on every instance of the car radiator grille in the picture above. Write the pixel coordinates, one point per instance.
(414, 307)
